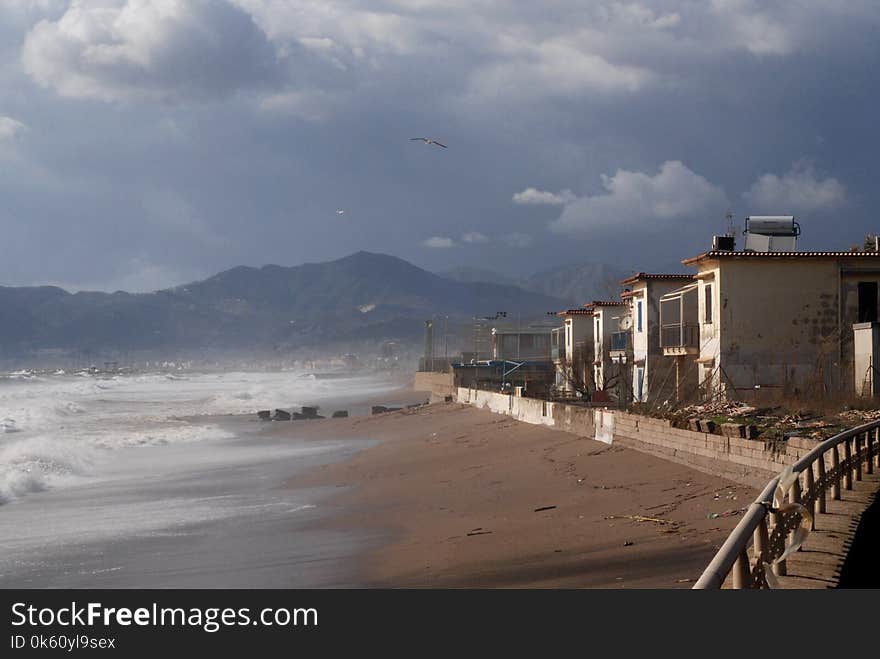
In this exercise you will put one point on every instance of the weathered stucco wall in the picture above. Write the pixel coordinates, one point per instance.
(748, 461)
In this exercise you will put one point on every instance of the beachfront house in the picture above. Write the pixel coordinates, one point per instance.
(638, 339)
(521, 344)
(573, 352)
(777, 323)
(680, 337)
(606, 315)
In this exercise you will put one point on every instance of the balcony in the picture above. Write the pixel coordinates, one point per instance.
(621, 341)
(680, 338)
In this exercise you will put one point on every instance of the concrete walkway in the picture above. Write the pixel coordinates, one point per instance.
(835, 554)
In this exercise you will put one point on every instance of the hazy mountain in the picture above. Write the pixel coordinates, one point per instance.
(361, 296)
(579, 283)
(468, 273)
(575, 284)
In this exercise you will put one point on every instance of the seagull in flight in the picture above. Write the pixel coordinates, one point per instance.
(340, 212)
(426, 140)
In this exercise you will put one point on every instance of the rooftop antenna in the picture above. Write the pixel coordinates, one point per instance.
(728, 216)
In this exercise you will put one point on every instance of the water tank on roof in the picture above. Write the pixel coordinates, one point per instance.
(771, 233)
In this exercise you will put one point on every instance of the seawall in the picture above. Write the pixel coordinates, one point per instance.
(749, 461)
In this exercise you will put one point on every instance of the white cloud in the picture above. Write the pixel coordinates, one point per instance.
(560, 66)
(535, 196)
(474, 237)
(312, 105)
(799, 190)
(438, 242)
(518, 240)
(148, 50)
(753, 26)
(635, 200)
(10, 128)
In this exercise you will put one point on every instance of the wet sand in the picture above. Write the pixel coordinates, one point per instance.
(467, 498)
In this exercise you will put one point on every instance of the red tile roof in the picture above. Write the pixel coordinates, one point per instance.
(575, 312)
(639, 276)
(777, 255)
(605, 303)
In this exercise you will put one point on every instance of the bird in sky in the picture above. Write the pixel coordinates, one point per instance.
(340, 212)
(426, 140)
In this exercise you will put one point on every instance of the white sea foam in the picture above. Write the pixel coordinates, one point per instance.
(55, 429)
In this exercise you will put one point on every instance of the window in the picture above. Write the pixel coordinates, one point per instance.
(708, 301)
(867, 301)
(639, 316)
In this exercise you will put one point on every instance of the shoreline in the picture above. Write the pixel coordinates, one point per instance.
(465, 498)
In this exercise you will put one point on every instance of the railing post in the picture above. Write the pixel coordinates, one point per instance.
(761, 540)
(858, 446)
(820, 497)
(794, 496)
(877, 446)
(847, 462)
(835, 469)
(779, 568)
(869, 451)
(809, 486)
(741, 572)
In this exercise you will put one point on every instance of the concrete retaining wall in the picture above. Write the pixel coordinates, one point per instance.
(439, 385)
(749, 461)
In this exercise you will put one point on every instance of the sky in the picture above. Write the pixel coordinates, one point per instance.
(148, 143)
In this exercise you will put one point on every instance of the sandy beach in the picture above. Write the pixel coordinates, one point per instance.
(466, 498)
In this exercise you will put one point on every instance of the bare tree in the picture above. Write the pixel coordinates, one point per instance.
(579, 372)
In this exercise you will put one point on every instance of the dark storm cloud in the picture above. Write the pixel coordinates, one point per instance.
(146, 142)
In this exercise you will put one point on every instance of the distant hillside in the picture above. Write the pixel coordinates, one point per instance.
(575, 284)
(579, 283)
(360, 296)
(467, 273)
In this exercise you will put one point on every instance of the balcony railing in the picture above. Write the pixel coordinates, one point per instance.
(621, 341)
(679, 335)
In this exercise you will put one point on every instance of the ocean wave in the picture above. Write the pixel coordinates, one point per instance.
(37, 463)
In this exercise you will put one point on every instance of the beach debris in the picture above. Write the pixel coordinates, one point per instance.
(281, 415)
(478, 531)
(340, 414)
(628, 543)
(308, 412)
(265, 415)
(727, 513)
(537, 510)
(641, 518)
(381, 409)
(684, 580)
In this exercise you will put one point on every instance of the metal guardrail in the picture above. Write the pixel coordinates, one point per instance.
(777, 522)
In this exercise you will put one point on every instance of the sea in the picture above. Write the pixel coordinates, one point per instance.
(164, 480)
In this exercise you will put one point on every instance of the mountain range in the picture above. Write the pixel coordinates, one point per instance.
(575, 284)
(363, 296)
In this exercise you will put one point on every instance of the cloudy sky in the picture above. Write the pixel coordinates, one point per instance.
(145, 143)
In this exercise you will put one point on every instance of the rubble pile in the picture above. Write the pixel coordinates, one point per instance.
(736, 418)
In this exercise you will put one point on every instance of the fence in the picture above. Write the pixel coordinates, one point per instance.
(776, 524)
